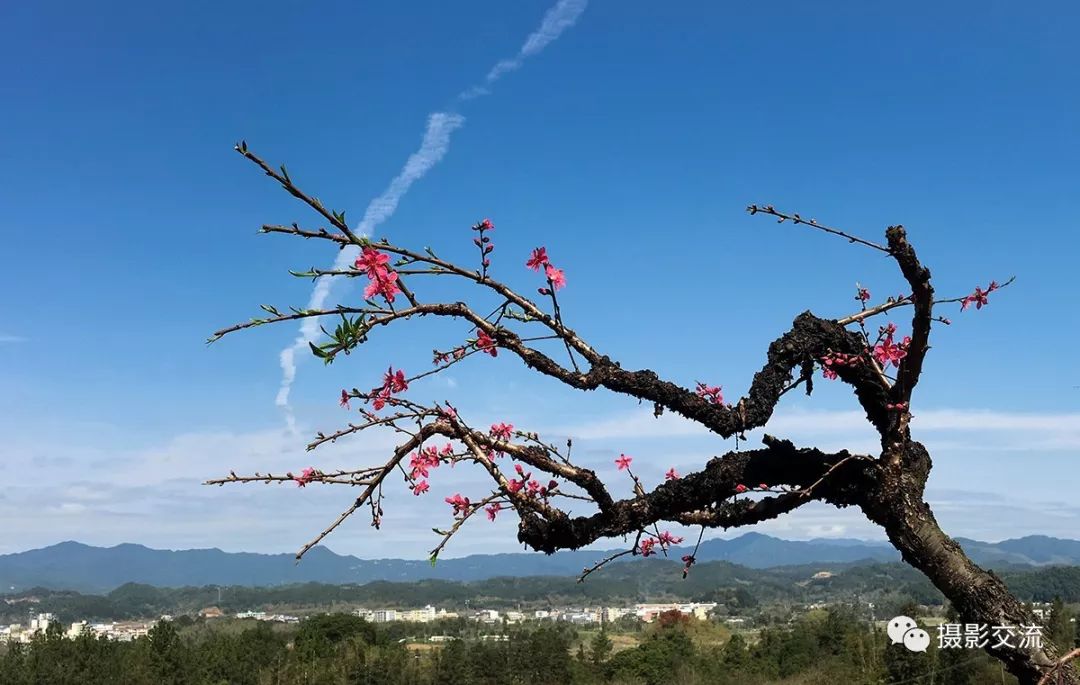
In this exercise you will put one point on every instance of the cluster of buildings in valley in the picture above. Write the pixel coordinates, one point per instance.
(130, 630)
(125, 630)
(583, 615)
(263, 616)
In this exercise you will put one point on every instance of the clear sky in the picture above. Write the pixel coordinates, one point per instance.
(628, 141)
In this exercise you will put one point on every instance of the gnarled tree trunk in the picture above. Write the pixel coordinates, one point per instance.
(887, 487)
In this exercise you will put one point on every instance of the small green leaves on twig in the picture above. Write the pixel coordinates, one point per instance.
(345, 338)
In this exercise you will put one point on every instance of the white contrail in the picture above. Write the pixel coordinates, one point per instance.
(433, 148)
(559, 18)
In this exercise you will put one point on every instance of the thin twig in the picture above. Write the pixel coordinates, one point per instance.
(796, 219)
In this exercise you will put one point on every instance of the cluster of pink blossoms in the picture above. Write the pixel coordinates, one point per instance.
(712, 393)
(502, 431)
(438, 358)
(889, 352)
(383, 279)
(531, 488)
(305, 477)
(422, 461)
(460, 504)
(833, 359)
(664, 540)
(740, 488)
(978, 298)
(393, 382)
(483, 242)
(539, 260)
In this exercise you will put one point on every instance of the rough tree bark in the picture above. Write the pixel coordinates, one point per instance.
(887, 487)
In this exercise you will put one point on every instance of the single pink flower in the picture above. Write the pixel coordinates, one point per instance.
(372, 262)
(762, 486)
(385, 284)
(538, 259)
(712, 393)
(863, 295)
(344, 401)
(671, 474)
(492, 510)
(667, 538)
(887, 352)
(459, 503)
(395, 381)
(623, 462)
(420, 487)
(485, 343)
(380, 400)
(556, 276)
(646, 546)
(305, 477)
(740, 488)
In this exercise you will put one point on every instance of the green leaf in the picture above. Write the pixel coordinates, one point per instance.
(317, 351)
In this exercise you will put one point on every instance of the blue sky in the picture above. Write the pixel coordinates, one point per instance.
(629, 146)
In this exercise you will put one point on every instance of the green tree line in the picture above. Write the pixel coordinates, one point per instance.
(823, 647)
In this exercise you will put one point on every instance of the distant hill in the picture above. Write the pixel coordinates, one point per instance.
(75, 566)
(740, 590)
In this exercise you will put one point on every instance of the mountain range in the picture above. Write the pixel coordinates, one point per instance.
(76, 566)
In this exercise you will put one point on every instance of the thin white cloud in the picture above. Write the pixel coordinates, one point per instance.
(557, 20)
(638, 424)
(433, 148)
(103, 490)
(1000, 430)
(435, 145)
(4, 338)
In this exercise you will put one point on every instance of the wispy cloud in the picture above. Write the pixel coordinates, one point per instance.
(557, 20)
(4, 338)
(433, 147)
(974, 428)
(102, 489)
